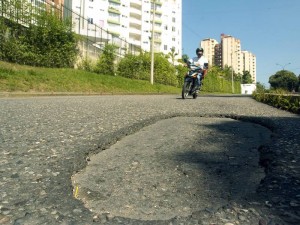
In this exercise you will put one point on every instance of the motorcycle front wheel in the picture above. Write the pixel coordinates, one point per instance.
(195, 95)
(186, 89)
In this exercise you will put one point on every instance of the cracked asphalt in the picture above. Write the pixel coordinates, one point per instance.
(147, 166)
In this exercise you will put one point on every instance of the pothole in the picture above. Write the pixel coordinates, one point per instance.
(173, 168)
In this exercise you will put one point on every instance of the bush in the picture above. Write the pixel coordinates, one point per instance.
(105, 64)
(139, 66)
(134, 67)
(180, 73)
(86, 64)
(49, 42)
(279, 99)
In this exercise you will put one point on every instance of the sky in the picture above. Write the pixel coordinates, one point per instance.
(270, 29)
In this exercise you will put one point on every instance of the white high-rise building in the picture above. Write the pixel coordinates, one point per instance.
(249, 63)
(132, 20)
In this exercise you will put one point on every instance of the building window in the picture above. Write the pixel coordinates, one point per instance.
(173, 19)
(165, 47)
(90, 20)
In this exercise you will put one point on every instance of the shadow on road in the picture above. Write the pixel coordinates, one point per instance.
(236, 169)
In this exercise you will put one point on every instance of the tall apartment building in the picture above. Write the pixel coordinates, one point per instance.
(249, 63)
(229, 53)
(218, 55)
(132, 20)
(209, 46)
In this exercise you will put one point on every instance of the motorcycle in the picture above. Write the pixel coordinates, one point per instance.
(190, 80)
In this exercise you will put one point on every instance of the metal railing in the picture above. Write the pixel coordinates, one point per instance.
(93, 37)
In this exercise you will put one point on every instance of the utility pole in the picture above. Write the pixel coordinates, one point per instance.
(232, 84)
(152, 44)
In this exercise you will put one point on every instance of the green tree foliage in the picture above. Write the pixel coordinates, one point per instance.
(135, 66)
(165, 73)
(180, 72)
(284, 79)
(37, 38)
(298, 87)
(172, 54)
(138, 67)
(106, 62)
(219, 80)
(246, 78)
(184, 58)
(260, 87)
(86, 64)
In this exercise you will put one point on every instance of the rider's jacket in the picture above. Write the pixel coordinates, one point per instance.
(201, 62)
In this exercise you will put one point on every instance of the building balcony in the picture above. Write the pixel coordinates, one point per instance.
(113, 10)
(134, 42)
(157, 32)
(115, 1)
(135, 12)
(157, 2)
(157, 40)
(158, 22)
(136, 3)
(157, 12)
(133, 30)
(135, 22)
(113, 22)
(135, 34)
(114, 33)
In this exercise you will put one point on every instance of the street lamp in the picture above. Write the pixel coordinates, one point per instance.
(152, 45)
(282, 66)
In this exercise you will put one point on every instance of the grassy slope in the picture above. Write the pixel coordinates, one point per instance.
(20, 78)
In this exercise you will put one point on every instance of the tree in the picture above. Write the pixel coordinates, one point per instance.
(184, 58)
(227, 72)
(246, 78)
(172, 54)
(260, 87)
(298, 87)
(284, 79)
(138, 67)
(105, 63)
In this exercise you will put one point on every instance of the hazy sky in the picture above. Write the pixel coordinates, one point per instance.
(270, 29)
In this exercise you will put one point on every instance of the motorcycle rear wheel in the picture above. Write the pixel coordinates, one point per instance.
(186, 89)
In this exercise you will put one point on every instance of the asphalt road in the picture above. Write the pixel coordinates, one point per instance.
(137, 160)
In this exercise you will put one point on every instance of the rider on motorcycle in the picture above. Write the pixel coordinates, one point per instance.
(202, 62)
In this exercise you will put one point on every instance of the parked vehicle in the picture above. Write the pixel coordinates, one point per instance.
(190, 80)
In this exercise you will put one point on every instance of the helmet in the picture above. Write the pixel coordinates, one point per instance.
(199, 50)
